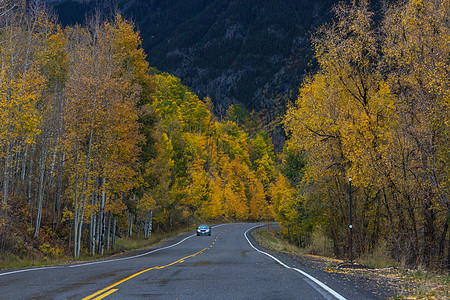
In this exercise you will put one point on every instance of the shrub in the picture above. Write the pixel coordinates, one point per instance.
(321, 244)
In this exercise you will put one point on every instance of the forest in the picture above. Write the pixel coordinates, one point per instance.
(96, 144)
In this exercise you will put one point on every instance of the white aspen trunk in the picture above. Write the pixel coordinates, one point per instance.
(52, 187)
(30, 174)
(75, 233)
(81, 222)
(80, 202)
(103, 232)
(130, 227)
(77, 215)
(92, 234)
(59, 190)
(103, 217)
(41, 189)
(4, 200)
(147, 220)
(108, 231)
(93, 226)
(75, 205)
(61, 155)
(114, 233)
(6, 178)
(84, 187)
(99, 221)
(150, 224)
(52, 167)
(15, 161)
(97, 229)
(94, 216)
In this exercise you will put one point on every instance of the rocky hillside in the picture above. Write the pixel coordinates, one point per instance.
(235, 51)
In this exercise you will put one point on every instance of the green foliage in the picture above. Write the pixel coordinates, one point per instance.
(321, 243)
(293, 164)
(237, 114)
(48, 250)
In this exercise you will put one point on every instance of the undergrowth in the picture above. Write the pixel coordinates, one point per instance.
(426, 284)
(47, 257)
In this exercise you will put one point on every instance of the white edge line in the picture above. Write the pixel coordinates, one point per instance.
(28, 270)
(130, 257)
(102, 261)
(316, 281)
(139, 255)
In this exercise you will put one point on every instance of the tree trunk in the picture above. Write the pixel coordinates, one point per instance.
(6, 179)
(442, 241)
(59, 191)
(448, 252)
(114, 233)
(102, 217)
(42, 159)
(30, 175)
(108, 231)
(92, 234)
(4, 200)
(429, 231)
(148, 225)
(130, 223)
(93, 226)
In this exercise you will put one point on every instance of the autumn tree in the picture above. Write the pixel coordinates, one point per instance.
(416, 48)
(375, 112)
(101, 119)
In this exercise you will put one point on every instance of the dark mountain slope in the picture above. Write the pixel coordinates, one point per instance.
(234, 51)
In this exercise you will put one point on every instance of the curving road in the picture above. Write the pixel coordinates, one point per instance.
(225, 265)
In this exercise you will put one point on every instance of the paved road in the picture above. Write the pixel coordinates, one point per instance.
(226, 265)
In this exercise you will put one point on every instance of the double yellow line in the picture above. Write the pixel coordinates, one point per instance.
(109, 290)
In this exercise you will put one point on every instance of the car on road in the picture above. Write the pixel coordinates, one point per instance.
(203, 230)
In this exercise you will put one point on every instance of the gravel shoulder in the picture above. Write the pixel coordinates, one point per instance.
(382, 283)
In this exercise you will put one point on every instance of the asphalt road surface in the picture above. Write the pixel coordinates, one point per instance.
(226, 265)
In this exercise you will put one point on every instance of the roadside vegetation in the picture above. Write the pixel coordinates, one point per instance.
(123, 245)
(405, 282)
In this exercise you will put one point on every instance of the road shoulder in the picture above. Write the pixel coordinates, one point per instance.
(351, 283)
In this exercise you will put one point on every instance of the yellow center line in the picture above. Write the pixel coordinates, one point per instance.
(106, 294)
(108, 288)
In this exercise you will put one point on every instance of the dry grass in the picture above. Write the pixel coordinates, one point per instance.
(273, 241)
(135, 243)
(15, 262)
(409, 284)
(11, 261)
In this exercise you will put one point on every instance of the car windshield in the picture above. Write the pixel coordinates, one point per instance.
(203, 227)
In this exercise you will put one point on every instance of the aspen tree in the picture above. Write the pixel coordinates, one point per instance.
(344, 118)
(416, 51)
(21, 86)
